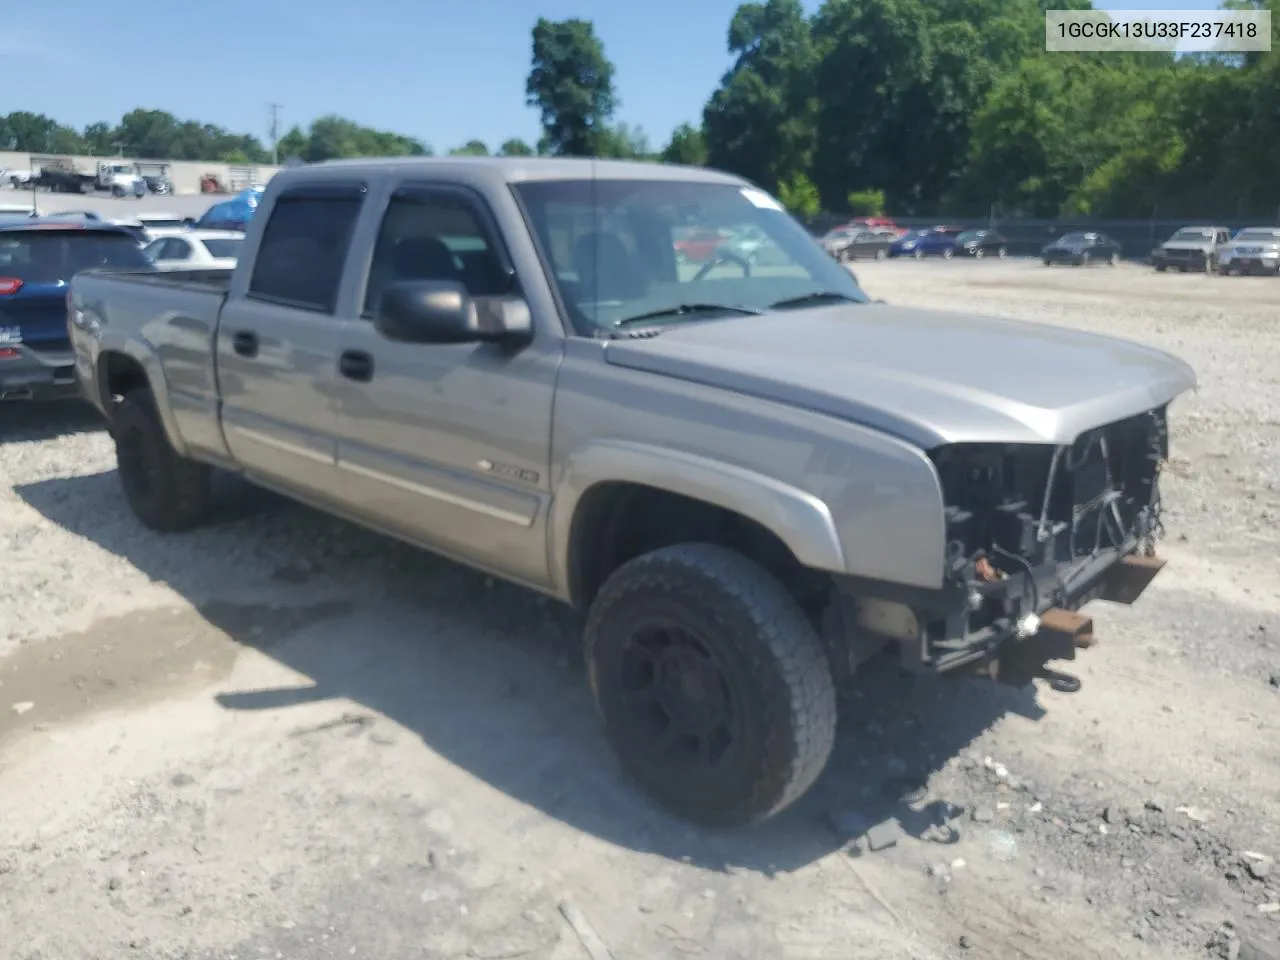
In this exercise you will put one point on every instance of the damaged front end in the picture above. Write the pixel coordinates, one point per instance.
(1034, 532)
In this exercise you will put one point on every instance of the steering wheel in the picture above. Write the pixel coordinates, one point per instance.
(721, 257)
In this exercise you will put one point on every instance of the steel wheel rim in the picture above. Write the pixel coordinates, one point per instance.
(678, 698)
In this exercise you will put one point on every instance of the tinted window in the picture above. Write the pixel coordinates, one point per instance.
(620, 248)
(47, 256)
(225, 247)
(434, 235)
(303, 248)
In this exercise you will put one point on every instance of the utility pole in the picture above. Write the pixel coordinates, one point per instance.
(275, 132)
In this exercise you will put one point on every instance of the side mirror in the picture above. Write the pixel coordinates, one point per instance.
(429, 311)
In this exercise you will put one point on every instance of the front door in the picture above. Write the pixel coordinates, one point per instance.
(448, 444)
(277, 344)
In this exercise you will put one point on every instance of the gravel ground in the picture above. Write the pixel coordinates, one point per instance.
(283, 736)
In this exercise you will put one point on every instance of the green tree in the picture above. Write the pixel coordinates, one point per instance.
(571, 83)
(866, 203)
(623, 142)
(515, 147)
(760, 122)
(292, 144)
(687, 146)
(35, 133)
(472, 148)
(799, 195)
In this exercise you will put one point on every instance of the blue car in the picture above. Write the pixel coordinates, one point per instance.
(934, 242)
(38, 258)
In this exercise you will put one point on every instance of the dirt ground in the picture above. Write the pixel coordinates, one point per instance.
(285, 737)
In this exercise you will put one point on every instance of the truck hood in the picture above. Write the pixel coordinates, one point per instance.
(928, 377)
(1187, 245)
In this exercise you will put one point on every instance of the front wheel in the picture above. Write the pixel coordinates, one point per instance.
(1114, 259)
(716, 693)
(881, 253)
(948, 253)
(1002, 252)
(1084, 259)
(918, 254)
(164, 489)
(979, 253)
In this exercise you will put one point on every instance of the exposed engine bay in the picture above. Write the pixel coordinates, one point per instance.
(1033, 533)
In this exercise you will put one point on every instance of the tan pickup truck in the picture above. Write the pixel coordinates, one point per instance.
(753, 477)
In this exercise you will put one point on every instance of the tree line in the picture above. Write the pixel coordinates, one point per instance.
(915, 107)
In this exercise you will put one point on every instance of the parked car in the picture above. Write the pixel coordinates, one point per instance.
(1081, 249)
(161, 224)
(862, 244)
(934, 242)
(1252, 250)
(746, 244)
(38, 258)
(982, 243)
(215, 249)
(700, 246)
(527, 387)
(1191, 248)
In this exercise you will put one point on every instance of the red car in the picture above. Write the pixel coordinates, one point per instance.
(876, 225)
(700, 246)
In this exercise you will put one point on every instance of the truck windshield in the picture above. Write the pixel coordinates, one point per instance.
(50, 256)
(1191, 236)
(619, 249)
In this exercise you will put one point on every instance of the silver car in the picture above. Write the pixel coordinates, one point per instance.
(1252, 250)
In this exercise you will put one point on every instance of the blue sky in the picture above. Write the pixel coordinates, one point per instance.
(445, 72)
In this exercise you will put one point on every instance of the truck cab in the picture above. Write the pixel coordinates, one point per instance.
(121, 178)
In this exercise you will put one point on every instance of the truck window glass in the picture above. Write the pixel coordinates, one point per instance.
(299, 262)
(619, 248)
(433, 236)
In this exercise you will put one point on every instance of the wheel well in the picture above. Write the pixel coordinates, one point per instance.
(118, 373)
(617, 521)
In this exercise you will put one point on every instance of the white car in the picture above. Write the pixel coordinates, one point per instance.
(159, 225)
(196, 248)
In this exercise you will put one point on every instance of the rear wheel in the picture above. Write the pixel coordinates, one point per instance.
(979, 253)
(948, 253)
(1084, 259)
(1160, 268)
(164, 489)
(716, 693)
(1114, 259)
(1002, 252)
(881, 253)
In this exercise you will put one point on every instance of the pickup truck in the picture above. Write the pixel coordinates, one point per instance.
(1191, 249)
(753, 479)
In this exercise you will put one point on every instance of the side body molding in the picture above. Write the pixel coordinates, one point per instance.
(801, 520)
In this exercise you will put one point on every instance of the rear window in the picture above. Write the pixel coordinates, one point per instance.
(47, 256)
(225, 247)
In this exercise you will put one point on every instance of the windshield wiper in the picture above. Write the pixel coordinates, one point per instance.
(816, 297)
(683, 308)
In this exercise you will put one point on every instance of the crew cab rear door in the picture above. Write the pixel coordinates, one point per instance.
(447, 444)
(277, 340)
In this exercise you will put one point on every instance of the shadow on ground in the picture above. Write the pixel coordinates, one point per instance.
(489, 675)
(34, 422)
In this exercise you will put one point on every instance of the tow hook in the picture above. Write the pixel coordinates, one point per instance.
(1056, 635)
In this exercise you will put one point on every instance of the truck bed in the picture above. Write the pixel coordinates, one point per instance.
(174, 312)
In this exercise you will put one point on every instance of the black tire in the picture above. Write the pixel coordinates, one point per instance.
(881, 253)
(1085, 258)
(1003, 252)
(979, 253)
(948, 253)
(165, 490)
(918, 254)
(735, 640)
(1160, 268)
(1114, 259)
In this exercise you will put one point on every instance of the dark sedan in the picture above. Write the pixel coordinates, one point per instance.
(982, 243)
(1081, 249)
(861, 244)
(936, 242)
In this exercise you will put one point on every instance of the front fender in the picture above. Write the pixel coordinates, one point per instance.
(801, 520)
